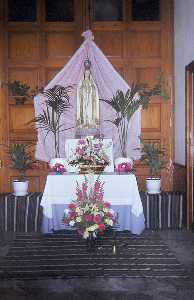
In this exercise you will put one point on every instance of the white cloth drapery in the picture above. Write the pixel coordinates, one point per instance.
(108, 81)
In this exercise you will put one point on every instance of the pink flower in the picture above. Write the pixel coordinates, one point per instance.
(98, 146)
(101, 227)
(107, 204)
(124, 167)
(81, 142)
(80, 152)
(88, 218)
(97, 219)
(84, 187)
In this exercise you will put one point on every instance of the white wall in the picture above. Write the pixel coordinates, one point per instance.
(184, 54)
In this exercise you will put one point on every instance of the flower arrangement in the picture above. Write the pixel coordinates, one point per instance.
(124, 167)
(89, 151)
(59, 169)
(89, 212)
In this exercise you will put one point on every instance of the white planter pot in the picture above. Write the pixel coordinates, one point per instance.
(121, 160)
(20, 188)
(153, 185)
(57, 160)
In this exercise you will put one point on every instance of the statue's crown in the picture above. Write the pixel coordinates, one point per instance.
(87, 64)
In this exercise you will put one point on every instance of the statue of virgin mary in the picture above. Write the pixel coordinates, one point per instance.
(87, 100)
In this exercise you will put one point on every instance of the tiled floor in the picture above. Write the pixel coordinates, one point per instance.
(180, 242)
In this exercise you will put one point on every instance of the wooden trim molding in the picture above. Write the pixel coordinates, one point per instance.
(179, 178)
(189, 96)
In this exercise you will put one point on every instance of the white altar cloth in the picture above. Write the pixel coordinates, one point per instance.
(120, 190)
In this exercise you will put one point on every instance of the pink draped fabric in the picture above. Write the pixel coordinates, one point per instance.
(108, 81)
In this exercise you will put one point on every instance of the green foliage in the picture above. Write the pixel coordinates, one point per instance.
(21, 158)
(56, 104)
(126, 104)
(152, 156)
(18, 88)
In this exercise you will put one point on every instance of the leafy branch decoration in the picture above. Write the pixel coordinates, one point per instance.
(56, 104)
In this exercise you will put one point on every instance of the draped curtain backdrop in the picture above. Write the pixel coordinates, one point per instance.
(108, 81)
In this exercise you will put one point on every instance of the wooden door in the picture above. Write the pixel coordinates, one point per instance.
(139, 45)
(36, 43)
(190, 140)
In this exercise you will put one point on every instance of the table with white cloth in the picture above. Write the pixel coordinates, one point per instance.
(120, 190)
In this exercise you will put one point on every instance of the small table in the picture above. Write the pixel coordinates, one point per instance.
(120, 190)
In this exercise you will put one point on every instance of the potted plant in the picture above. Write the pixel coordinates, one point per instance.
(126, 104)
(50, 119)
(153, 157)
(21, 161)
(20, 90)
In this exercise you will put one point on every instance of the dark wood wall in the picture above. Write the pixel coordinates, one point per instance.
(35, 51)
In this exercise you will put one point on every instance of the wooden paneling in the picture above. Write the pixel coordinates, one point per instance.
(25, 74)
(50, 73)
(59, 44)
(35, 52)
(23, 45)
(20, 116)
(144, 44)
(147, 74)
(110, 42)
(151, 118)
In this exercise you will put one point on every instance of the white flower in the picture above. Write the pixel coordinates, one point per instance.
(78, 219)
(66, 211)
(72, 223)
(108, 222)
(77, 209)
(93, 227)
(86, 234)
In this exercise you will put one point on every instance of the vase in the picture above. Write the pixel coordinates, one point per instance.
(20, 188)
(91, 242)
(153, 185)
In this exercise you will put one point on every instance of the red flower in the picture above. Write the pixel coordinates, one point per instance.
(97, 219)
(101, 227)
(109, 214)
(72, 214)
(72, 206)
(88, 218)
(66, 221)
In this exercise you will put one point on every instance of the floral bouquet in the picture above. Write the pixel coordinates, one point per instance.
(89, 212)
(59, 169)
(89, 151)
(124, 167)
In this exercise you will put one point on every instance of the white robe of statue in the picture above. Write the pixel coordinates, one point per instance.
(87, 100)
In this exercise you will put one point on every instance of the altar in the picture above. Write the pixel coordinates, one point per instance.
(120, 190)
